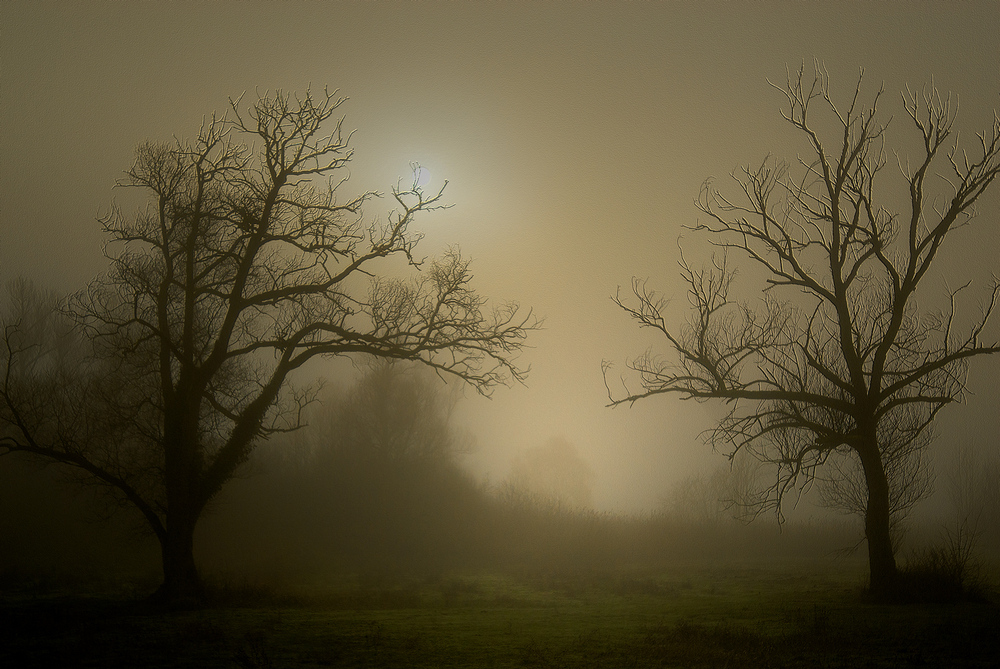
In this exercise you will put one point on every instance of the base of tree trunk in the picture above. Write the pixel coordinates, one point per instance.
(884, 589)
(177, 593)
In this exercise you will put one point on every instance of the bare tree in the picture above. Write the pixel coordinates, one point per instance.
(970, 477)
(245, 266)
(908, 473)
(396, 414)
(727, 493)
(835, 354)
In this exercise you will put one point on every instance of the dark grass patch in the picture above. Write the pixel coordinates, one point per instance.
(702, 619)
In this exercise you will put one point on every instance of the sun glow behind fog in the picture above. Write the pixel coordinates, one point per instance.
(421, 176)
(573, 144)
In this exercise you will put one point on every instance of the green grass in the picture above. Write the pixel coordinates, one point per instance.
(682, 617)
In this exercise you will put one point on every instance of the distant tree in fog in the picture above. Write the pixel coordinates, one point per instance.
(373, 480)
(726, 493)
(60, 401)
(395, 413)
(834, 359)
(554, 471)
(970, 485)
(245, 265)
(384, 468)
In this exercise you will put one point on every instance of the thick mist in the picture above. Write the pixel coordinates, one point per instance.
(574, 144)
(378, 483)
(574, 147)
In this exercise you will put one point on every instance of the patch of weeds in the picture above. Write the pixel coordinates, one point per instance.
(692, 645)
(599, 647)
(374, 636)
(505, 600)
(202, 631)
(566, 582)
(16, 580)
(939, 575)
(536, 654)
(815, 623)
(245, 594)
(630, 586)
(374, 641)
(378, 591)
(412, 643)
(252, 653)
(454, 589)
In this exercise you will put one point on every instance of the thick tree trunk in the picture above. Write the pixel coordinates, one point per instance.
(182, 474)
(881, 557)
(181, 583)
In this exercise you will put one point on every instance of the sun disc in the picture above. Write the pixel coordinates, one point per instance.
(423, 177)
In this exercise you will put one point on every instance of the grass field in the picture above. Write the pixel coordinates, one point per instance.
(694, 616)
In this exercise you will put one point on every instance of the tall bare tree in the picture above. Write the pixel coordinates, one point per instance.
(835, 356)
(245, 266)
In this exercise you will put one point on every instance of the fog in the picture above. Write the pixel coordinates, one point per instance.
(379, 484)
(574, 140)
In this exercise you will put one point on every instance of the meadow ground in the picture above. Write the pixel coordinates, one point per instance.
(684, 616)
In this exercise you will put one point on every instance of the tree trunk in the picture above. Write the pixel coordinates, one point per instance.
(181, 583)
(881, 557)
(182, 473)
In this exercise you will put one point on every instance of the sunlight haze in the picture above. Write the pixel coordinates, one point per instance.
(574, 138)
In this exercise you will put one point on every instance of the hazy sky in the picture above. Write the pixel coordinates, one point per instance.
(575, 137)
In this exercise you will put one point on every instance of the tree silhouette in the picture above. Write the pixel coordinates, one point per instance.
(835, 356)
(383, 477)
(245, 266)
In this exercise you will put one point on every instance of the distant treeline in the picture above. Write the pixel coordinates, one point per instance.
(375, 484)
